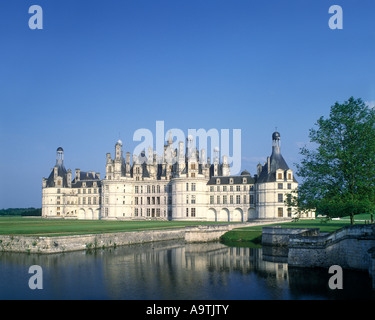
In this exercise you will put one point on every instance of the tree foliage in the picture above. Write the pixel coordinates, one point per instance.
(339, 173)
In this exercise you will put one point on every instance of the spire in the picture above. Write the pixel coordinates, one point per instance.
(170, 140)
(59, 156)
(276, 142)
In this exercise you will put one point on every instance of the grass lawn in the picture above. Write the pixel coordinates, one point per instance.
(57, 227)
(248, 236)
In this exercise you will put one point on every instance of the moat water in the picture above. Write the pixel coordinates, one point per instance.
(172, 271)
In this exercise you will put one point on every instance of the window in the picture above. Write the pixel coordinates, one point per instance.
(218, 200)
(59, 182)
(193, 199)
(244, 180)
(279, 186)
(148, 189)
(238, 199)
(231, 199)
(251, 199)
(211, 199)
(244, 199)
(289, 186)
(231, 188)
(231, 181)
(224, 188)
(89, 191)
(289, 176)
(279, 212)
(238, 188)
(224, 199)
(187, 212)
(218, 188)
(279, 175)
(289, 212)
(136, 189)
(187, 199)
(158, 189)
(89, 200)
(251, 188)
(193, 186)
(212, 189)
(193, 166)
(157, 200)
(187, 187)
(148, 212)
(217, 181)
(136, 212)
(192, 174)
(136, 201)
(193, 212)
(153, 189)
(280, 197)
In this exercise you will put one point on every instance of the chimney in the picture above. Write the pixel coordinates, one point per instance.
(78, 174)
(69, 178)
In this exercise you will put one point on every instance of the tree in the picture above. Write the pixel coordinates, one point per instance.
(339, 173)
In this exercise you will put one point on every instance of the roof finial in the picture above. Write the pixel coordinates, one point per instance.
(170, 140)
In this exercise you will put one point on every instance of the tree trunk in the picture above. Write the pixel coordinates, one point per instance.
(351, 218)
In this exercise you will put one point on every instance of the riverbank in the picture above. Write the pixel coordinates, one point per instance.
(54, 238)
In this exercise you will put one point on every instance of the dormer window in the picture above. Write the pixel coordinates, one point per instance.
(217, 181)
(244, 180)
(231, 180)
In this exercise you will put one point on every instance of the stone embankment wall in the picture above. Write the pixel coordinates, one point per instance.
(84, 242)
(348, 247)
(277, 236)
(55, 244)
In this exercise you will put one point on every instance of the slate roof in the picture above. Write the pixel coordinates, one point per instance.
(276, 162)
(224, 180)
(61, 172)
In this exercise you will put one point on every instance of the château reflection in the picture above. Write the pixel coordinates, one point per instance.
(169, 270)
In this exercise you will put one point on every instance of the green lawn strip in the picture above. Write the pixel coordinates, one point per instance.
(51, 227)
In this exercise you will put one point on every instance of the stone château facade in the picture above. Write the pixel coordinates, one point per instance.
(187, 188)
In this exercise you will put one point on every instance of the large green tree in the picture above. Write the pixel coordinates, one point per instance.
(338, 172)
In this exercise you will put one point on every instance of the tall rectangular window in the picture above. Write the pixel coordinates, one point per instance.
(193, 212)
(238, 199)
(224, 199)
(280, 197)
(193, 199)
(280, 212)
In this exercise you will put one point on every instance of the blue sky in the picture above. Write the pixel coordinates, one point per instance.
(100, 70)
